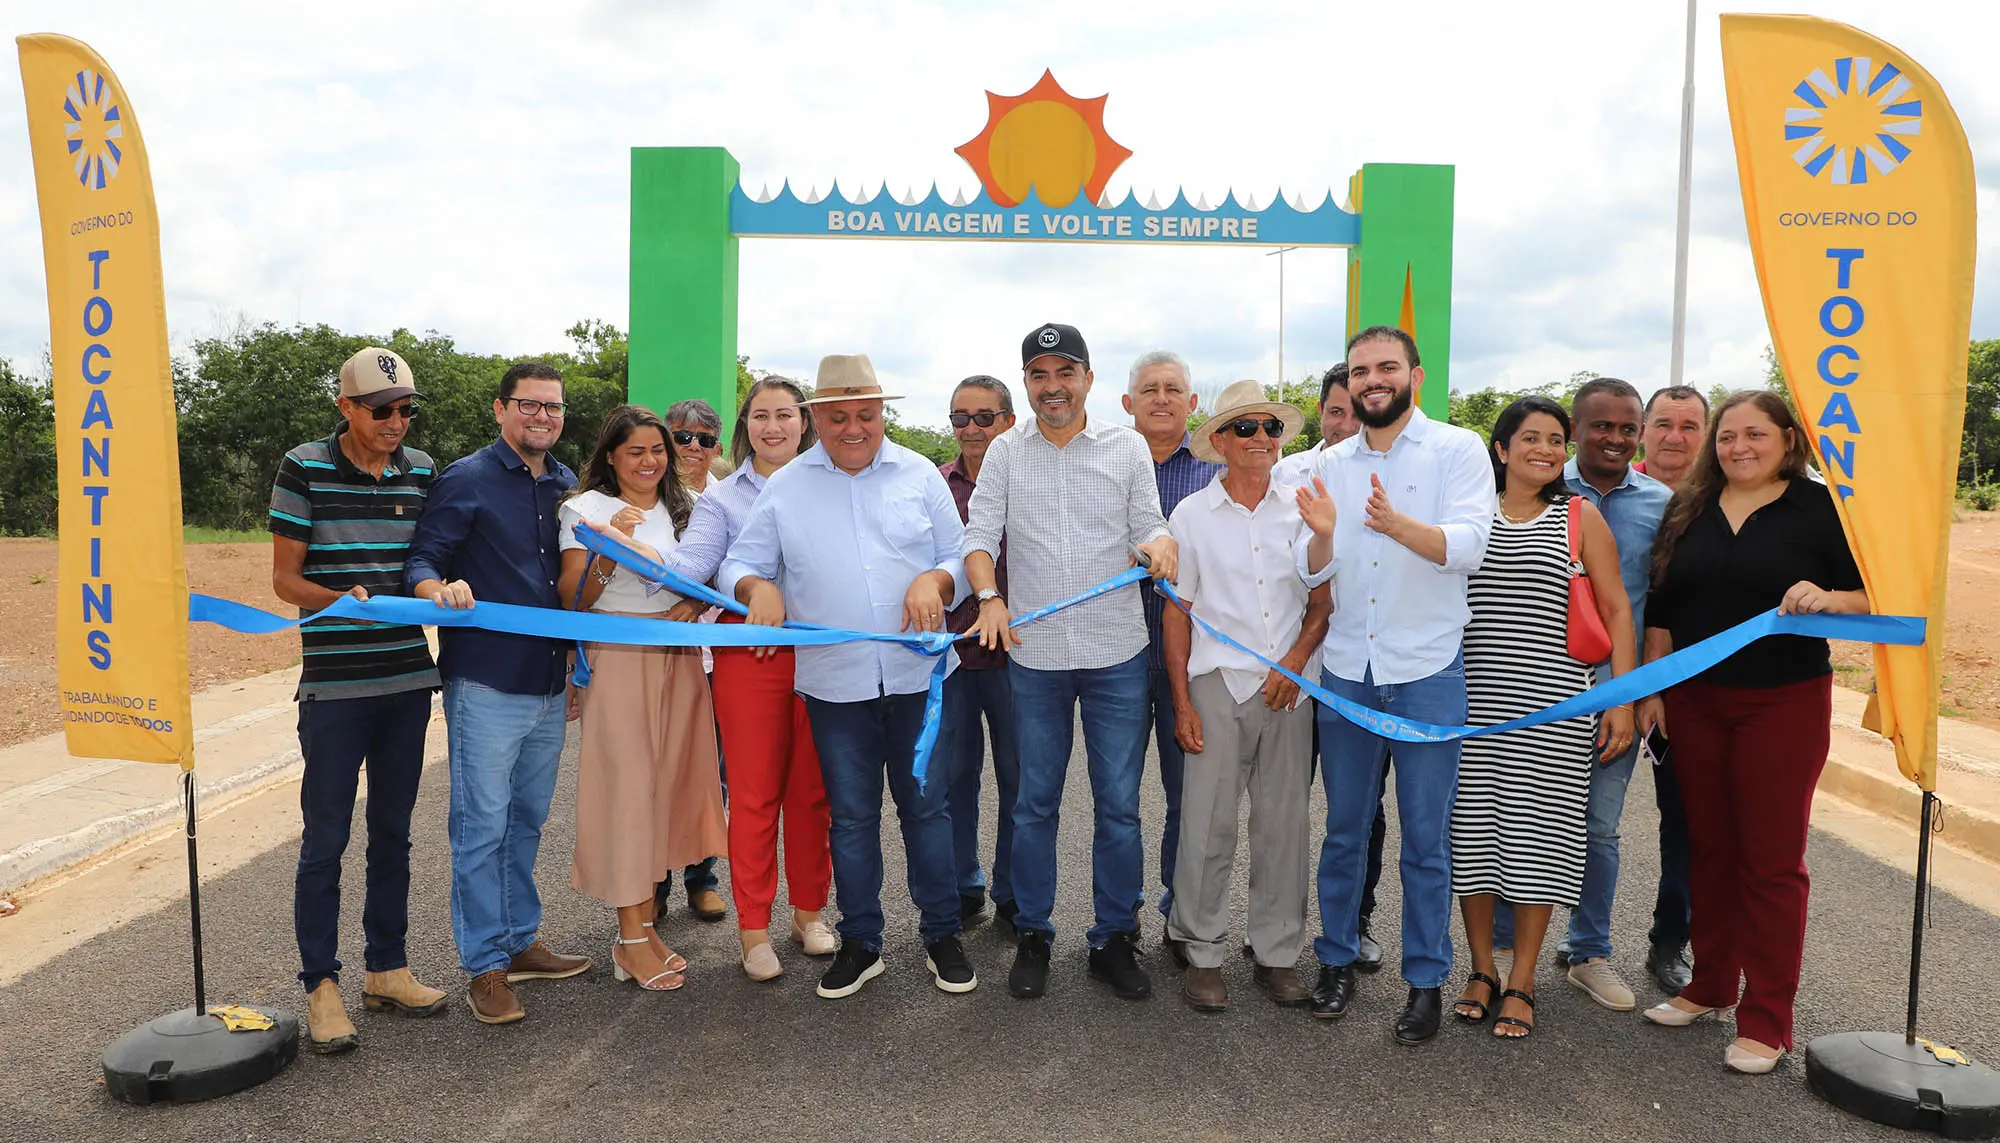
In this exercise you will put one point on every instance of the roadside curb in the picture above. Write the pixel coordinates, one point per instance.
(1893, 796)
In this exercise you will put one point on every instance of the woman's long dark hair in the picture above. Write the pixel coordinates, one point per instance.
(1705, 481)
(1507, 424)
(619, 425)
(739, 441)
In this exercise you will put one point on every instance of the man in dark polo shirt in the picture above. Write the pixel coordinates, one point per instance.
(981, 409)
(343, 510)
(489, 532)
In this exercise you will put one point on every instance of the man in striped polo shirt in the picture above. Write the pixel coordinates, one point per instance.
(343, 510)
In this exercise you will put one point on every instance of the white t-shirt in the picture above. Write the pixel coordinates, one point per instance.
(626, 591)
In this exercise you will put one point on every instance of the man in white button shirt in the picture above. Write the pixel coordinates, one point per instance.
(1073, 497)
(1397, 517)
(1240, 722)
(861, 533)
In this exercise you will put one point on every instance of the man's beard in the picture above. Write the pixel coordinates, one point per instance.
(1399, 403)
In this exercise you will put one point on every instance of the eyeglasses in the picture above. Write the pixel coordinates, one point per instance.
(689, 436)
(383, 412)
(1248, 426)
(983, 420)
(530, 408)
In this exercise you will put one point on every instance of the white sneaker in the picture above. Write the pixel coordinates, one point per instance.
(1600, 982)
(816, 937)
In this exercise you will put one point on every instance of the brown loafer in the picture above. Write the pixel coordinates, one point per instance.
(492, 1002)
(539, 962)
(1283, 986)
(1204, 990)
(707, 905)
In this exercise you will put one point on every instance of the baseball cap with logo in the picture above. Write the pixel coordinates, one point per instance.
(1055, 340)
(376, 376)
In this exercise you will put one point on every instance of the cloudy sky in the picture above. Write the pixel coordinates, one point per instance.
(464, 168)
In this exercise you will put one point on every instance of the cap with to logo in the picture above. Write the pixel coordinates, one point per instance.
(1055, 340)
(376, 376)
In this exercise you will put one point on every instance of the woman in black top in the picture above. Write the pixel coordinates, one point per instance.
(1749, 531)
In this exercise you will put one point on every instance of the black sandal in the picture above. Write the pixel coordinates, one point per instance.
(1492, 990)
(1515, 1021)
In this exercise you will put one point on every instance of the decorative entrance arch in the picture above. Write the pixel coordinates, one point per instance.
(689, 211)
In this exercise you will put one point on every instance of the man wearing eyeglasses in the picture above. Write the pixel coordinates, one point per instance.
(343, 511)
(1242, 724)
(489, 533)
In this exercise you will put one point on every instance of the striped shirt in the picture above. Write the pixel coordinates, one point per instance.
(356, 529)
(1179, 476)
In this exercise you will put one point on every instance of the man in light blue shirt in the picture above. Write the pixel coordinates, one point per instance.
(861, 533)
(1607, 415)
(1397, 517)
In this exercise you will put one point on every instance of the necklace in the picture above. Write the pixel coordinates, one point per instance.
(1513, 519)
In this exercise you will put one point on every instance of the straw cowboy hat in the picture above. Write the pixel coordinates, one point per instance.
(847, 377)
(1244, 399)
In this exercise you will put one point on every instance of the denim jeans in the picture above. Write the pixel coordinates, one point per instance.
(858, 742)
(1173, 770)
(336, 737)
(504, 750)
(1426, 782)
(1671, 907)
(1115, 717)
(962, 743)
(1376, 833)
(1589, 936)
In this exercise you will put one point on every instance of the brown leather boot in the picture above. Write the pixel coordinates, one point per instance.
(1283, 985)
(539, 962)
(397, 991)
(492, 1002)
(328, 1028)
(707, 905)
(1204, 990)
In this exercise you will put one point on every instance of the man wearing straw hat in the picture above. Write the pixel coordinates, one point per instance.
(1241, 723)
(862, 534)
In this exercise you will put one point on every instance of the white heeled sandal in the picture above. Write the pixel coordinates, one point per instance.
(675, 962)
(665, 980)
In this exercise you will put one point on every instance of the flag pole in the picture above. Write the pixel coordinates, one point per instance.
(1676, 360)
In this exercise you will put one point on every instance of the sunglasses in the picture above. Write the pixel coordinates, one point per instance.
(983, 420)
(383, 412)
(529, 408)
(688, 436)
(1247, 427)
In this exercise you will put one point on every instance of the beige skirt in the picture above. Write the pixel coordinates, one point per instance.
(648, 789)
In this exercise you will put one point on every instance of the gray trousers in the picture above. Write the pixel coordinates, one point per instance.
(1267, 752)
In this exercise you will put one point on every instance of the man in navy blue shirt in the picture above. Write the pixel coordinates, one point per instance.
(489, 532)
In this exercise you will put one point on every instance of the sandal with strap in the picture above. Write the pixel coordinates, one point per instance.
(1485, 1006)
(675, 962)
(1515, 1021)
(665, 980)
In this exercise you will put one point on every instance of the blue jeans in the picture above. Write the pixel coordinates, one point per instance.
(504, 750)
(336, 737)
(1115, 716)
(1671, 907)
(1173, 765)
(1351, 761)
(962, 743)
(1589, 935)
(858, 742)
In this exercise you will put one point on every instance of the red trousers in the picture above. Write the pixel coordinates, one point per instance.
(1748, 759)
(773, 768)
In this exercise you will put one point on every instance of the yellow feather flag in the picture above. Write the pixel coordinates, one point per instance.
(1858, 191)
(122, 618)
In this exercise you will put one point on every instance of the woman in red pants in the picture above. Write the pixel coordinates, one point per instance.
(773, 768)
(1749, 531)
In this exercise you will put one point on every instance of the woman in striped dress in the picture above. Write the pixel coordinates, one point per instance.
(1517, 826)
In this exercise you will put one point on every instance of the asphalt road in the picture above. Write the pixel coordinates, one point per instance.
(726, 1059)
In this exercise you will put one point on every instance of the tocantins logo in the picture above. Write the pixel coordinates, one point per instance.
(1858, 120)
(95, 126)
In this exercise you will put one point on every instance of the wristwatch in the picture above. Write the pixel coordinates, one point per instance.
(986, 593)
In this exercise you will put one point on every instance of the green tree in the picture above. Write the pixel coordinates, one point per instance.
(28, 441)
(937, 445)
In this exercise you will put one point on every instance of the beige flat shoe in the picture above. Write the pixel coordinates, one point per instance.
(761, 963)
(1667, 1014)
(816, 937)
(1750, 1063)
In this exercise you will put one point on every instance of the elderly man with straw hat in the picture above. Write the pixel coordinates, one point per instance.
(862, 534)
(1242, 724)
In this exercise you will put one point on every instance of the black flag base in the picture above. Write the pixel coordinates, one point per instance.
(1919, 1087)
(185, 1056)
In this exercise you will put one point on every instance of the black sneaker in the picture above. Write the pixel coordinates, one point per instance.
(1030, 976)
(853, 966)
(971, 909)
(950, 970)
(1117, 965)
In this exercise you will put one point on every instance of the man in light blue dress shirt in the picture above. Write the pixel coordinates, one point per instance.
(862, 534)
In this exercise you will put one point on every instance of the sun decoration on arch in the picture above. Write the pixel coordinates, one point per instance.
(1047, 139)
(1853, 121)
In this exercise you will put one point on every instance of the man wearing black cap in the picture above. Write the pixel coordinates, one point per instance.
(1074, 499)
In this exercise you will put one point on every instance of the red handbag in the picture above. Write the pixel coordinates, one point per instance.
(1588, 641)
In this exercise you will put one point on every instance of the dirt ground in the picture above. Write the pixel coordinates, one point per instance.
(242, 572)
(28, 588)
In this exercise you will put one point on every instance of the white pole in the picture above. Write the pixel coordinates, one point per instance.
(1676, 361)
(1280, 252)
